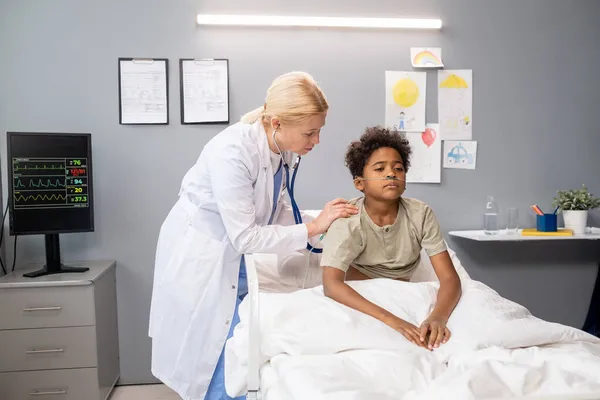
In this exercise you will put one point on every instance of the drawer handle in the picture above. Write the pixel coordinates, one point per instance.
(48, 392)
(42, 309)
(45, 351)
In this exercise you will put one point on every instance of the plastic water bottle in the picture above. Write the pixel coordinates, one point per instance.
(490, 217)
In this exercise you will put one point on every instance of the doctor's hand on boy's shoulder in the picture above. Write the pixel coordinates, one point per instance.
(433, 331)
(338, 208)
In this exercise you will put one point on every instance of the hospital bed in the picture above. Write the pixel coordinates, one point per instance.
(295, 343)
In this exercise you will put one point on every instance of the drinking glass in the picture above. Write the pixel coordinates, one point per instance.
(512, 221)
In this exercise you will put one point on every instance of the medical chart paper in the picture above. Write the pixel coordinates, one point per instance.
(143, 97)
(204, 91)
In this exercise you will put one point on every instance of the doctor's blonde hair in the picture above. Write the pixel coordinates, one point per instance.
(292, 98)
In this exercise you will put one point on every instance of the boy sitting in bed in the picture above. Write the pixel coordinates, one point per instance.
(385, 238)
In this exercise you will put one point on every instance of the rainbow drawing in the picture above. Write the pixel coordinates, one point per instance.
(426, 57)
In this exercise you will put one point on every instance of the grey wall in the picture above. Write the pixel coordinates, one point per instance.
(536, 99)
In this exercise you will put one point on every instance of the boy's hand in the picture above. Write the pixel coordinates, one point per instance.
(435, 327)
(407, 329)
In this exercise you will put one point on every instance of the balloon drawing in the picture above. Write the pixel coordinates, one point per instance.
(428, 137)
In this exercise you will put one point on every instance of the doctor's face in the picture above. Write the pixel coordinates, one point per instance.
(303, 137)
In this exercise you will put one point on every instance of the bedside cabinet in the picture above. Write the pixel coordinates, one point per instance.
(59, 334)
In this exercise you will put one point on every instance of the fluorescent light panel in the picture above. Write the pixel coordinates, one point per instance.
(337, 22)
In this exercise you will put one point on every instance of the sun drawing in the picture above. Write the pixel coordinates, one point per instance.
(405, 92)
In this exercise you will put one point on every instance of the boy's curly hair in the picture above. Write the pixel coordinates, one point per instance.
(375, 138)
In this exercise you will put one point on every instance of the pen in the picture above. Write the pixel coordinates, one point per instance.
(537, 209)
(540, 210)
(556, 209)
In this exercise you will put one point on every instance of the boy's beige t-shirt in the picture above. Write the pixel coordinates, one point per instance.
(391, 251)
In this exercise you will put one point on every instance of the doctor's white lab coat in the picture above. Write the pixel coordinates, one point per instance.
(222, 212)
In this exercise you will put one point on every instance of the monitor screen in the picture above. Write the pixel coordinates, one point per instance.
(50, 183)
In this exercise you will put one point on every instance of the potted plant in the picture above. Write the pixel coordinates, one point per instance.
(574, 205)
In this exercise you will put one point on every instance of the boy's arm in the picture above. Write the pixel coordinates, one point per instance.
(450, 286)
(335, 288)
(448, 295)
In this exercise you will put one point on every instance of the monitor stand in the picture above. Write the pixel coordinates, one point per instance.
(53, 264)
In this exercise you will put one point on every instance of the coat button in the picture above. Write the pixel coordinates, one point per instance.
(227, 322)
(387, 229)
(233, 286)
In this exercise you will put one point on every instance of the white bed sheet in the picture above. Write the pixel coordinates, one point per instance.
(319, 349)
(387, 375)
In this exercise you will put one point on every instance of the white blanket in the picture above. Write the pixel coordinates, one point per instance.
(320, 349)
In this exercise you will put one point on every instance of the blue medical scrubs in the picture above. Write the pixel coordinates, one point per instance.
(216, 389)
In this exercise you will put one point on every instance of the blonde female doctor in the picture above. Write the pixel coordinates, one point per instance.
(227, 206)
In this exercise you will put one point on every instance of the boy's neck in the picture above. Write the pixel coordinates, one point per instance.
(382, 212)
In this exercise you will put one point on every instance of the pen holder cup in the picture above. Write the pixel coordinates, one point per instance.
(547, 223)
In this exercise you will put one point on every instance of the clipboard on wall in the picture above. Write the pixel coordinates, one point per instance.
(204, 91)
(143, 91)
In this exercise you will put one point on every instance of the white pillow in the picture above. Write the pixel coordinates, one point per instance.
(289, 273)
(426, 273)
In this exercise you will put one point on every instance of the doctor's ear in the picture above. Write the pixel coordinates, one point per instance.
(275, 123)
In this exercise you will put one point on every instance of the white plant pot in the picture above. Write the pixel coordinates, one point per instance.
(575, 220)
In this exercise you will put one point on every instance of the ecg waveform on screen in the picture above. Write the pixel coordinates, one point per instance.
(46, 183)
(35, 167)
(50, 182)
(40, 197)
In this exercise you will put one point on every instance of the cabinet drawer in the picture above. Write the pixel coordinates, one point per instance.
(46, 307)
(69, 384)
(49, 348)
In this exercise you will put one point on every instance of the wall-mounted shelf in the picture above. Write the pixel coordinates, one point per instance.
(480, 236)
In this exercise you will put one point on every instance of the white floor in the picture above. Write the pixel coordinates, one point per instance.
(143, 392)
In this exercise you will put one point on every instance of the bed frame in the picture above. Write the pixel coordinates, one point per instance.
(254, 328)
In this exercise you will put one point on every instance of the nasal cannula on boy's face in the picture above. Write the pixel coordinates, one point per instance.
(387, 178)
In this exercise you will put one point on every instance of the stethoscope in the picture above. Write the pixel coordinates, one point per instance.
(290, 189)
